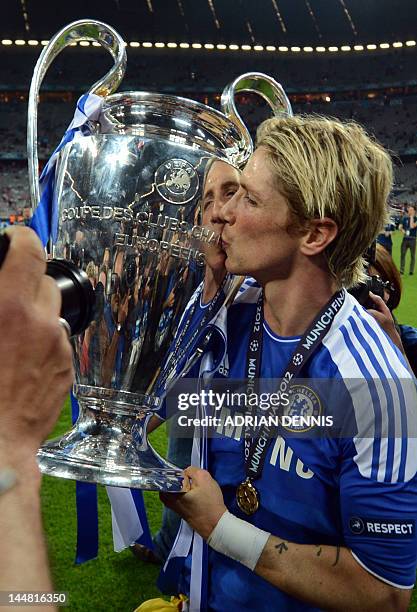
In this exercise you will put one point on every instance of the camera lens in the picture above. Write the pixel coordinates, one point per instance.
(77, 294)
(76, 291)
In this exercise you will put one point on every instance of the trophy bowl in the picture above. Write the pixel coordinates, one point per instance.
(126, 210)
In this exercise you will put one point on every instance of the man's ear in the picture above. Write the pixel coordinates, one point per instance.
(320, 233)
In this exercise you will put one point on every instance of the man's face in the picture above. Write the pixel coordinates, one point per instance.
(255, 237)
(222, 182)
(411, 210)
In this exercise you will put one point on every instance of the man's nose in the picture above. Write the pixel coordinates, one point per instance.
(216, 212)
(227, 212)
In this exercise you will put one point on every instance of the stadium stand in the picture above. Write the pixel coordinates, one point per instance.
(376, 90)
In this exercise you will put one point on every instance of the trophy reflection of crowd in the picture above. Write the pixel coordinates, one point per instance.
(130, 283)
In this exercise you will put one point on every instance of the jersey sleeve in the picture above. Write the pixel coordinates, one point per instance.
(379, 520)
(378, 450)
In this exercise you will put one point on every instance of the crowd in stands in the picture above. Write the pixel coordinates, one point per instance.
(153, 69)
(14, 190)
(390, 117)
(393, 124)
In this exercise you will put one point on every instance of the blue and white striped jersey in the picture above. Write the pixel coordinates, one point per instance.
(357, 490)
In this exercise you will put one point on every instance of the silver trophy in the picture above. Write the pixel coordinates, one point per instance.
(128, 214)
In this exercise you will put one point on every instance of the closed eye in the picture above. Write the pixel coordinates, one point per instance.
(249, 199)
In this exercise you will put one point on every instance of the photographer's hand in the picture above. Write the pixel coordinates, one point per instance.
(36, 374)
(36, 366)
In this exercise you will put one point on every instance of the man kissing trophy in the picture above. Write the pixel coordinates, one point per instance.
(123, 192)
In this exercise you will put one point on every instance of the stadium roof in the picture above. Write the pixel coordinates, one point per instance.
(251, 22)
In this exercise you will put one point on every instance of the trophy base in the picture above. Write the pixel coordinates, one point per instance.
(100, 449)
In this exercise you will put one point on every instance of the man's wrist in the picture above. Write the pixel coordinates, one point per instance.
(8, 479)
(21, 461)
(214, 522)
(238, 540)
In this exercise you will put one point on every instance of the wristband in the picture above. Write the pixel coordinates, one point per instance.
(7, 480)
(238, 540)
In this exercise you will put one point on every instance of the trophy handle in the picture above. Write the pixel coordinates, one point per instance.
(266, 87)
(83, 29)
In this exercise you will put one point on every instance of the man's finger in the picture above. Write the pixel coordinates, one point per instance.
(378, 316)
(192, 471)
(375, 297)
(49, 297)
(24, 265)
(379, 302)
(186, 483)
(170, 499)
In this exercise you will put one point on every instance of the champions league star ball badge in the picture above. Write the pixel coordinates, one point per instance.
(176, 181)
(297, 359)
(304, 404)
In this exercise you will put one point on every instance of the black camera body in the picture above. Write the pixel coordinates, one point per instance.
(373, 284)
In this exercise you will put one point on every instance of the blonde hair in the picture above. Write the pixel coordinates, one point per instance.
(326, 168)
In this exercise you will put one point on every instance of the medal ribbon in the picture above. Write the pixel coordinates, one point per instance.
(306, 346)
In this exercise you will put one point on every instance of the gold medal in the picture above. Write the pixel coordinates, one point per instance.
(247, 497)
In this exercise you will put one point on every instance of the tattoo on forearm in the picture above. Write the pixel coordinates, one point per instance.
(281, 547)
(337, 556)
(319, 549)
